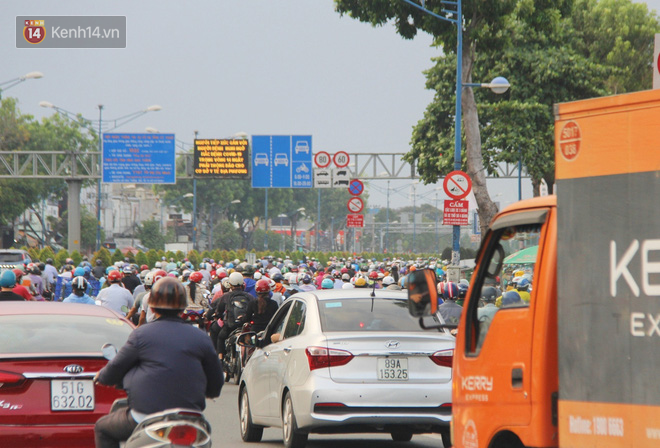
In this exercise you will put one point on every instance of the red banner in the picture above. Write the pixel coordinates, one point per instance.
(455, 213)
(354, 220)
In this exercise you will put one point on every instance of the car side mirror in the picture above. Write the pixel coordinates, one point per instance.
(109, 351)
(248, 339)
(422, 293)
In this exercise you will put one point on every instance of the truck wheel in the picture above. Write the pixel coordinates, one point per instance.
(249, 432)
(291, 436)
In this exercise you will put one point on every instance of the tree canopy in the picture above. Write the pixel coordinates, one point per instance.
(549, 51)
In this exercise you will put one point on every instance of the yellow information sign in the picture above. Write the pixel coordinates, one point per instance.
(222, 158)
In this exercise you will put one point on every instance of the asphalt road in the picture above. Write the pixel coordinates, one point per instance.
(222, 413)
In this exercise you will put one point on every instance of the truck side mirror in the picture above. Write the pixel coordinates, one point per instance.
(422, 293)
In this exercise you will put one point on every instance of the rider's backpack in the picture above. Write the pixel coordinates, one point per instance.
(237, 308)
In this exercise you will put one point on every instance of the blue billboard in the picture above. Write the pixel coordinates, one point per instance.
(282, 161)
(139, 158)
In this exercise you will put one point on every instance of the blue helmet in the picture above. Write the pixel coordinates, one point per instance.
(327, 284)
(450, 291)
(79, 272)
(7, 279)
(523, 284)
(511, 298)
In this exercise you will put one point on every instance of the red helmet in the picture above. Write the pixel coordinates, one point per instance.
(115, 276)
(159, 274)
(18, 272)
(196, 277)
(222, 274)
(263, 285)
(144, 267)
(373, 275)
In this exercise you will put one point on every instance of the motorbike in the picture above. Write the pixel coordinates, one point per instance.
(195, 317)
(178, 427)
(236, 356)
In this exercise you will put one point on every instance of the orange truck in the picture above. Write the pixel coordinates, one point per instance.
(578, 365)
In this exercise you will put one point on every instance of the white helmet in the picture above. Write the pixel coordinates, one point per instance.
(257, 275)
(236, 279)
(388, 280)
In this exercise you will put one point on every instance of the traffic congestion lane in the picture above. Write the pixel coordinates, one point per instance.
(222, 413)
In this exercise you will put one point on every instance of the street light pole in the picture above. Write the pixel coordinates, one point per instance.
(387, 215)
(98, 186)
(12, 82)
(194, 217)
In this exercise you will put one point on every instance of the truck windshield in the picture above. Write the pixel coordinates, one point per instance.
(508, 280)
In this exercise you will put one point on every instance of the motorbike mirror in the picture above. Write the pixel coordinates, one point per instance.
(422, 293)
(109, 351)
(248, 339)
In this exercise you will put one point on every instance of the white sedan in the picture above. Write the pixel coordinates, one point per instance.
(342, 361)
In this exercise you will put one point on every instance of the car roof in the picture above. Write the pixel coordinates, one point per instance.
(354, 293)
(55, 308)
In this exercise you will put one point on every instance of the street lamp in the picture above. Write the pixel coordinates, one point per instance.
(13, 82)
(112, 124)
(282, 215)
(498, 85)
(292, 215)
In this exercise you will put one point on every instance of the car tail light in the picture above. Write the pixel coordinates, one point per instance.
(444, 358)
(319, 357)
(10, 379)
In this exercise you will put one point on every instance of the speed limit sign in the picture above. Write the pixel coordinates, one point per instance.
(341, 159)
(322, 159)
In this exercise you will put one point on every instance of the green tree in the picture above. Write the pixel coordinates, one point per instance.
(61, 257)
(76, 257)
(141, 258)
(152, 257)
(46, 253)
(104, 255)
(150, 235)
(117, 256)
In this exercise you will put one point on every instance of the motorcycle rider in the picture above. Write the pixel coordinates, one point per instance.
(231, 322)
(79, 294)
(116, 295)
(153, 364)
(260, 311)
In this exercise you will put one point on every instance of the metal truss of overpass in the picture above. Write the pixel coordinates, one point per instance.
(86, 166)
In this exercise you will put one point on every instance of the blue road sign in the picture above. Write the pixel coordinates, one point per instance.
(356, 187)
(139, 158)
(282, 161)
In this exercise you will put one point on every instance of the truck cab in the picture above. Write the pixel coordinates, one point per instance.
(496, 403)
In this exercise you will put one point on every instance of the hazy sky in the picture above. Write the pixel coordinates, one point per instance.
(257, 66)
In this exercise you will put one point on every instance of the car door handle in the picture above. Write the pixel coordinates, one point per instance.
(517, 378)
(287, 349)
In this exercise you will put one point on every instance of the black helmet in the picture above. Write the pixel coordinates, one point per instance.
(489, 294)
(168, 293)
(249, 270)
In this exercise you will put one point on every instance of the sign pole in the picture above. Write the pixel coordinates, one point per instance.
(266, 213)
(318, 223)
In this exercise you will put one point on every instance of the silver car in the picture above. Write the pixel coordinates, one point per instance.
(342, 361)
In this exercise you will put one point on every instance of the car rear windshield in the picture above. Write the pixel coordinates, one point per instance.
(60, 334)
(365, 314)
(9, 257)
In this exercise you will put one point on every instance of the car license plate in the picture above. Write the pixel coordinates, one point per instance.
(72, 395)
(393, 369)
